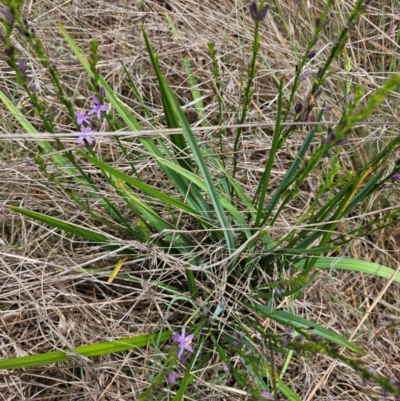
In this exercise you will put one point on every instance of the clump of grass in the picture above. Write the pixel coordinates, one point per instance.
(238, 263)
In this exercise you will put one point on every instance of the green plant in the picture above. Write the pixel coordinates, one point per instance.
(208, 199)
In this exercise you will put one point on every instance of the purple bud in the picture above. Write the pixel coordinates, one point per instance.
(262, 14)
(395, 177)
(329, 138)
(102, 92)
(298, 107)
(22, 65)
(311, 54)
(171, 377)
(256, 14)
(325, 194)
(342, 141)
(7, 14)
(319, 72)
(304, 75)
(225, 367)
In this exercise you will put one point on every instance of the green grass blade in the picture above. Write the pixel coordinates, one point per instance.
(63, 225)
(109, 347)
(166, 199)
(180, 145)
(263, 186)
(29, 128)
(361, 266)
(287, 318)
(196, 94)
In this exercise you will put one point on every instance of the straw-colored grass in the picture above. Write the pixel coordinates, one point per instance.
(47, 296)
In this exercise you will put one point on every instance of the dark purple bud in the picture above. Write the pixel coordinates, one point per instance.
(319, 72)
(329, 138)
(257, 14)
(342, 141)
(325, 194)
(298, 107)
(22, 65)
(6, 14)
(351, 97)
(22, 68)
(395, 177)
(262, 14)
(31, 163)
(102, 92)
(311, 54)
(304, 75)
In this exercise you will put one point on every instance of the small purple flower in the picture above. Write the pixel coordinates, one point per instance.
(82, 118)
(348, 99)
(311, 54)
(395, 177)
(171, 377)
(82, 138)
(288, 337)
(183, 342)
(304, 75)
(225, 367)
(256, 14)
(97, 107)
(102, 92)
(266, 395)
(298, 107)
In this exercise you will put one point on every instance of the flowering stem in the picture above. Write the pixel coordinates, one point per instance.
(248, 92)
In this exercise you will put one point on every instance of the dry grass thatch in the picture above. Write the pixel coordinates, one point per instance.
(54, 290)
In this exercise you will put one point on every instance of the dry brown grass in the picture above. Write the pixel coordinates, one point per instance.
(46, 296)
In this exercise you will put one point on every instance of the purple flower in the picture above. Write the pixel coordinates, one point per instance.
(84, 137)
(348, 99)
(97, 107)
(171, 377)
(311, 54)
(225, 367)
(183, 342)
(304, 75)
(298, 107)
(256, 14)
(395, 177)
(266, 395)
(82, 118)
